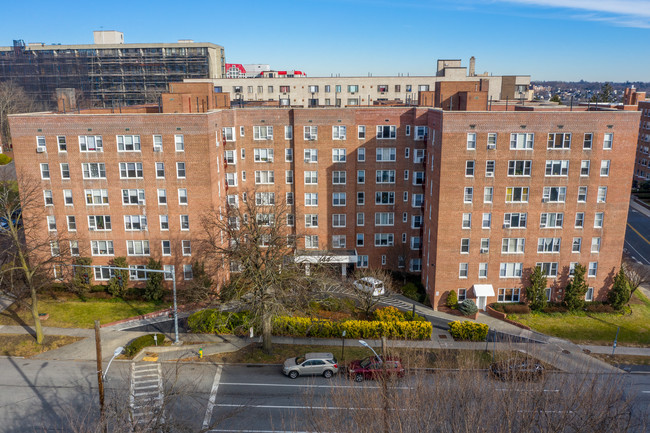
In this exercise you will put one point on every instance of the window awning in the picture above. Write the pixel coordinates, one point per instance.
(483, 290)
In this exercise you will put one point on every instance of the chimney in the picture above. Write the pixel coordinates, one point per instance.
(472, 66)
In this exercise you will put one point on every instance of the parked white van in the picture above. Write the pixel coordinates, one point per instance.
(370, 285)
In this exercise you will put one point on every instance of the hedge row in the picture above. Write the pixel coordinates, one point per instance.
(307, 327)
(139, 343)
(468, 330)
(392, 314)
(220, 322)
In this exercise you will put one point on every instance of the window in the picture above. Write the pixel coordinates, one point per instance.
(55, 250)
(522, 141)
(264, 177)
(384, 240)
(65, 170)
(485, 245)
(311, 133)
(182, 196)
(90, 143)
(285, 89)
(361, 198)
(137, 272)
(361, 176)
(487, 220)
(263, 155)
(519, 168)
(362, 261)
(488, 192)
(508, 295)
(61, 141)
(386, 154)
(187, 272)
(74, 248)
(421, 133)
(288, 155)
(416, 242)
(559, 140)
(128, 143)
(482, 270)
(514, 220)
(471, 141)
(548, 245)
(180, 170)
(157, 143)
(554, 194)
(164, 222)
(608, 140)
(489, 168)
(592, 270)
(469, 194)
(338, 155)
(551, 220)
(418, 156)
(353, 88)
(96, 196)
(386, 131)
(311, 155)
(103, 273)
(405, 217)
(588, 140)
(229, 133)
(179, 143)
(288, 132)
(512, 245)
(385, 176)
(133, 196)
(288, 198)
(288, 176)
(584, 167)
(264, 198)
(417, 200)
(517, 194)
(469, 168)
(418, 178)
(384, 197)
(338, 220)
(492, 140)
(338, 132)
(160, 170)
(338, 241)
(598, 220)
(338, 177)
(384, 218)
(48, 197)
(462, 294)
(582, 194)
(602, 194)
(464, 246)
(311, 177)
(169, 272)
(51, 223)
(311, 220)
(291, 220)
(338, 199)
(557, 168)
(604, 168)
(580, 220)
(241, 128)
(510, 270)
(361, 131)
(72, 223)
(67, 197)
(589, 295)
(135, 222)
(311, 199)
(243, 154)
(576, 245)
(311, 241)
(187, 247)
(360, 218)
(595, 245)
(185, 222)
(361, 155)
(162, 196)
(467, 221)
(130, 170)
(95, 170)
(462, 270)
(102, 248)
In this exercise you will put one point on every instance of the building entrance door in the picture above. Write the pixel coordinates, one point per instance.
(481, 302)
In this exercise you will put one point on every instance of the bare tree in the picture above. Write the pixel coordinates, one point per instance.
(637, 274)
(253, 242)
(13, 99)
(30, 255)
(365, 297)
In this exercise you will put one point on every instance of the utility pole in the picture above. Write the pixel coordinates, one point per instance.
(100, 374)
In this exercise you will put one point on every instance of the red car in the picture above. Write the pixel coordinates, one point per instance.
(372, 367)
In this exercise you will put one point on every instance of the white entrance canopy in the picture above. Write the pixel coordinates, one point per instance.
(483, 290)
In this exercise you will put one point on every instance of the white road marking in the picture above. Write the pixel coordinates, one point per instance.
(261, 431)
(270, 406)
(646, 392)
(643, 258)
(146, 393)
(213, 397)
(527, 390)
(297, 385)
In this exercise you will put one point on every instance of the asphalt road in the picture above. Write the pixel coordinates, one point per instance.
(38, 396)
(637, 236)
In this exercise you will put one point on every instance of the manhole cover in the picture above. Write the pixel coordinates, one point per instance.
(442, 336)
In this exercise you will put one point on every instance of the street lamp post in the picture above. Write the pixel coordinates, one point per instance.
(363, 343)
(116, 353)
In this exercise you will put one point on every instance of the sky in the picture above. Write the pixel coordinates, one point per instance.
(569, 40)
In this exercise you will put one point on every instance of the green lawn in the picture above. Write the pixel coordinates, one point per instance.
(595, 328)
(68, 311)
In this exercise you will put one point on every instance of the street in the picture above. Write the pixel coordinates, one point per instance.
(49, 395)
(637, 236)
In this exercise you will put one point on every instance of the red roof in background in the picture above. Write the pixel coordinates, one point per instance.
(237, 66)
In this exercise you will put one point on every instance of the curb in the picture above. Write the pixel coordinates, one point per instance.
(151, 315)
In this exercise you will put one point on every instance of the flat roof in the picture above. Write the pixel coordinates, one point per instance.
(114, 46)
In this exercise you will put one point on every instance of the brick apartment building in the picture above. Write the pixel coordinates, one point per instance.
(642, 166)
(472, 200)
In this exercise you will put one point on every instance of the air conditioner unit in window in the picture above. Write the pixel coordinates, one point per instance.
(91, 228)
(40, 149)
(506, 225)
(484, 250)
